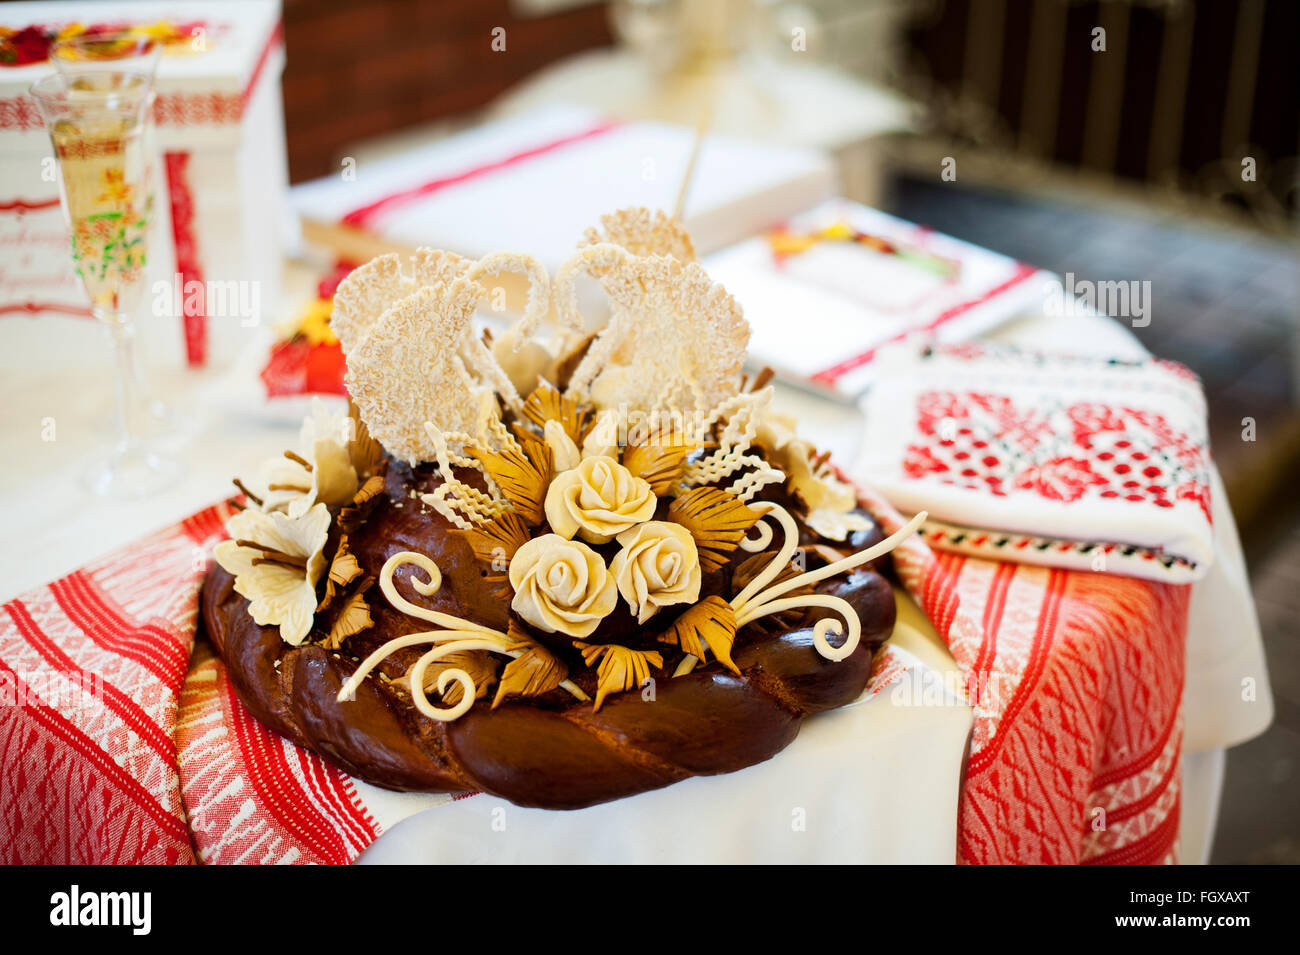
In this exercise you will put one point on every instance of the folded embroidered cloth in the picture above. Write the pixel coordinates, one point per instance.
(1073, 462)
(123, 744)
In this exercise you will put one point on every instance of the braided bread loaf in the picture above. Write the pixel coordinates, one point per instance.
(549, 751)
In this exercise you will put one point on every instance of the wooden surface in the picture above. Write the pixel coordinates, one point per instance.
(358, 69)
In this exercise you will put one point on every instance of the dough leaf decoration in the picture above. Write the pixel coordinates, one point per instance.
(660, 465)
(716, 519)
(480, 666)
(547, 403)
(535, 671)
(621, 668)
(365, 452)
(522, 473)
(352, 617)
(343, 570)
(352, 516)
(709, 625)
(495, 541)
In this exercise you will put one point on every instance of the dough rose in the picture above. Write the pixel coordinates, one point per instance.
(657, 566)
(561, 586)
(598, 500)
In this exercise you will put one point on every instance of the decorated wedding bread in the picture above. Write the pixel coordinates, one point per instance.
(560, 570)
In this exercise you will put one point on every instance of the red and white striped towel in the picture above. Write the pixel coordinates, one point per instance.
(120, 742)
(91, 667)
(1076, 679)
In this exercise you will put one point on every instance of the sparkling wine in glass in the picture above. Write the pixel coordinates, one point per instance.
(97, 121)
(122, 50)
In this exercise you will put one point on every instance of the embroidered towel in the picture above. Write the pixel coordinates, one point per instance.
(1063, 461)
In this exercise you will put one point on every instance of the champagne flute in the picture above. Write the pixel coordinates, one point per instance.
(123, 51)
(97, 120)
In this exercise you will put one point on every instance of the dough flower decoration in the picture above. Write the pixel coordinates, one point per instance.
(658, 566)
(565, 453)
(598, 500)
(289, 548)
(320, 470)
(277, 561)
(602, 439)
(561, 586)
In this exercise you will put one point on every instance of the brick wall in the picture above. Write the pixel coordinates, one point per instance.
(359, 68)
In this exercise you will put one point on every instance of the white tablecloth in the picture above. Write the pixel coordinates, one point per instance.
(875, 782)
(838, 793)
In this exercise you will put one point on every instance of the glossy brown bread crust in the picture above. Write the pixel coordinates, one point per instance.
(550, 751)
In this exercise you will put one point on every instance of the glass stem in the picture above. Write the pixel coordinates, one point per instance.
(123, 331)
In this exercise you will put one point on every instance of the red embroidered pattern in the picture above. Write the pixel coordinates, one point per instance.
(170, 108)
(194, 109)
(984, 441)
(20, 113)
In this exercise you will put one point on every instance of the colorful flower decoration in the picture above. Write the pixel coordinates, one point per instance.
(306, 357)
(32, 44)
